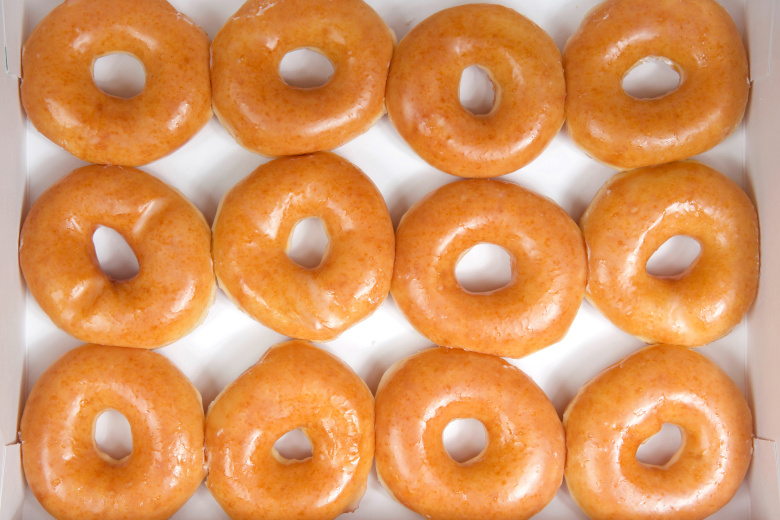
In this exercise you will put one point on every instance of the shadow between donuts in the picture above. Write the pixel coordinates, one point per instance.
(602, 351)
(407, 194)
(589, 179)
(379, 363)
(225, 175)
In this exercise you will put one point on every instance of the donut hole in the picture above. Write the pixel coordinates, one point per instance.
(484, 268)
(120, 75)
(652, 77)
(305, 68)
(112, 436)
(660, 449)
(308, 244)
(477, 91)
(674, 257)
(465, 440)
(293, 446)
(114, 254)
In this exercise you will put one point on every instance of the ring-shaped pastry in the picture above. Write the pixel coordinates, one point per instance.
(621, 408)
(521, 467)
(524, 65)
(548, 261)
(702, 43)
(66, 470)
(175, 284)
(294, 386)
(266, 115)
(64, 103)
(252, 234)
(633, 214)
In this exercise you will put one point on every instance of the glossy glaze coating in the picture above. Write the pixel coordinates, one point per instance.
(705, 48)
(521, 467)
(617, 411)
(67, 472)
(521, 60)
(294, 385)
(548, 263)
(252, 232)
(633, 214)
(266, 115)
(64, 103)
(175, 284)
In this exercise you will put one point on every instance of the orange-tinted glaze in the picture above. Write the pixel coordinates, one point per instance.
(266, 115)
(705, 47)
(548, 268)
(521, 467)
(613, 414)
(252, 232)
(294, 385)
(175, 284)
(71, 477)
(633, 214)
(521, 60)
(64, 103)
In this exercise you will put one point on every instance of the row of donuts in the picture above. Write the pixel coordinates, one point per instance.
(298, 386)
(554, 262)
(238, 75)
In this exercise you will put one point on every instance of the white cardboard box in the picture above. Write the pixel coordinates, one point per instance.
(229, 342)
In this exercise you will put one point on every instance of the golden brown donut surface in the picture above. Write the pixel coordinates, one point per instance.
(66, 471)
(548, 263)
(252, 232)
(294, 385)
(633, 214)
(175, 284)
(265, 114)
(617, 411)
(64, 103)
(702, 43)
(521, 467)
(524, 66)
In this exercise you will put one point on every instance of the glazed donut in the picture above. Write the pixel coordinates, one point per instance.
(175, 284)
(266, 115)
(294, 386)
(548, 268)
(521, 467)
(64, 103)
(524, 66)
(613, 414)
(69, 474)
(252, 231)
(700, 41)
(633, 214)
